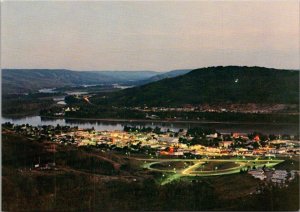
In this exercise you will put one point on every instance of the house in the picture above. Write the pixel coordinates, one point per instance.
(256, 138)
(225, 144)
(258, 174)
(279, 176)
(178, 153)
(214, 135)
(152, 116)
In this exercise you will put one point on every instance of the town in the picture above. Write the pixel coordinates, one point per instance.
(219, 108)
(254, 153)
(186, 143)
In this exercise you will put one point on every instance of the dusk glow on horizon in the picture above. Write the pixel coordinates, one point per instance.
(158, 36)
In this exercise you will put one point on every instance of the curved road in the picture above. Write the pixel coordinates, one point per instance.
(191, 170)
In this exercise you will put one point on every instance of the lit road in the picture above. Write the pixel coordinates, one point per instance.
(191, 170)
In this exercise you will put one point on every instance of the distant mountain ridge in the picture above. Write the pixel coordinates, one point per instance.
(27, 80)
(230, 84)
(169, 74)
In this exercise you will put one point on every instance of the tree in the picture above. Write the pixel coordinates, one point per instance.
(255, 145)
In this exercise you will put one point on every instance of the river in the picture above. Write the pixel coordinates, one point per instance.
(291, 129)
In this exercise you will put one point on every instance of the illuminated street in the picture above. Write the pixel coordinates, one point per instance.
(192, 169)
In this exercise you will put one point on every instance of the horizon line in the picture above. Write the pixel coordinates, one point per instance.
(119, 70)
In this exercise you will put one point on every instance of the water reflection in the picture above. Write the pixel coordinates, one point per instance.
(48, 90)
(291, 129)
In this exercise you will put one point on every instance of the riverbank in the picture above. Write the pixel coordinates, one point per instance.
(166, 121)
(22, 105)
(119, 124)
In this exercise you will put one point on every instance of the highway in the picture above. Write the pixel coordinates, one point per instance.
(173, 174)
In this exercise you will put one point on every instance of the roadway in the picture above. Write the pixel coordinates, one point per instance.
(173, 174)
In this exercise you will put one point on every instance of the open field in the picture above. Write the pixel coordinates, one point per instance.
(211, 166)
(172, 165)
(290, 164)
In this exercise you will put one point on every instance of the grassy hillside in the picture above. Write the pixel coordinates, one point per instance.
(27, 80)
(231, 84)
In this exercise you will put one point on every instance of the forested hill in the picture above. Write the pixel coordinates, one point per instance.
(169, 74)
(214, 85)
(28, 80)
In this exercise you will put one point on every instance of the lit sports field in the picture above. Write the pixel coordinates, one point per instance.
(176, 168)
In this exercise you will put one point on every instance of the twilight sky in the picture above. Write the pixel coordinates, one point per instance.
(157, 36)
